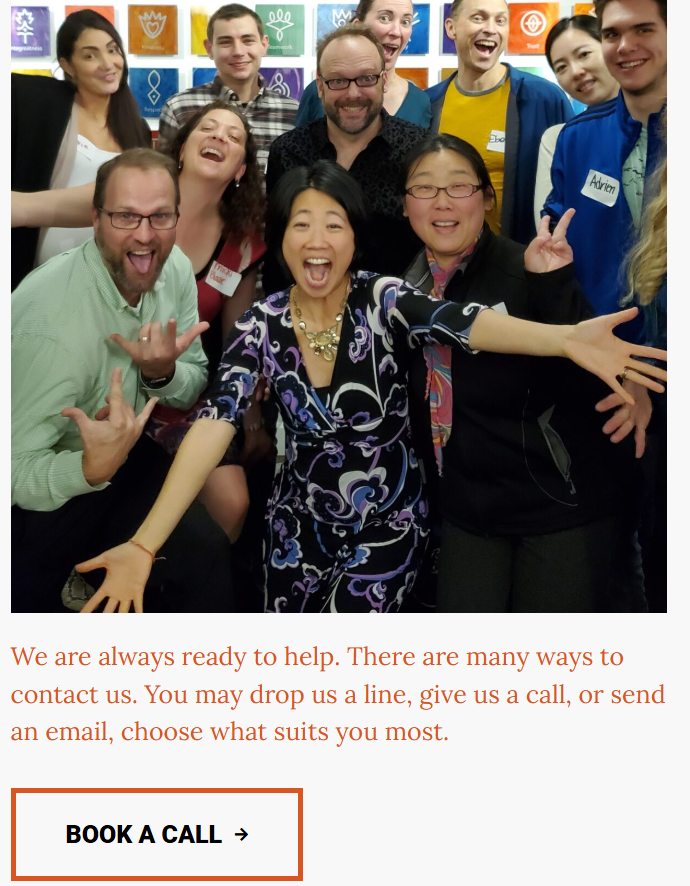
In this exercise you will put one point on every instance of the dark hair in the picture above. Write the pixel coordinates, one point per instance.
(364, 8)
(350, 30)
(442, 141)
(134, 158)
(586, 23)
(456, 5)
(124, 120)
(230, 11)
(241, 207)
(600, 4)
(328, 177)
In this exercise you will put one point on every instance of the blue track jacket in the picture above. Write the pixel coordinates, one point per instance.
(533, 106)
(586, 175)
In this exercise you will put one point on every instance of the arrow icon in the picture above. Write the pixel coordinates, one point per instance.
(242, 834)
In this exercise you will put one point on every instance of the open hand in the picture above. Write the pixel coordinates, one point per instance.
(549, 252)
(156, 350)
(111, 434)
(592, 345)
(627, 417)
(128, 569)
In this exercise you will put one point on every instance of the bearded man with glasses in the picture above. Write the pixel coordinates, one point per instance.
(362, 137)
(99, 335)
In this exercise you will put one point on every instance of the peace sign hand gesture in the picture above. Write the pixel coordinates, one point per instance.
(156, 351)
(109, 437)
(549, 252)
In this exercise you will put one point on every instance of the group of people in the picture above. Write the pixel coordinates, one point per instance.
(385, 269)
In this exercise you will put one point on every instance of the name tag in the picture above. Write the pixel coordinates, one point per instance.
(223, 279)
(601, 188)
(497, 141)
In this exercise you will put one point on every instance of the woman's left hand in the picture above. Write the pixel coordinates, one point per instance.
(549, 252)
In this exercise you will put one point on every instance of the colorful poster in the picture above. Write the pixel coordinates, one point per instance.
(30, 31)
(448, 44)
(152, 87)
(199, 24)
(529, 25)
(419, 41)
(202, 75)
(446, 72)
(285, 28)
(419, 76)
(330, 16)
(153, 30)
(288, 82)
(584, 9)
(106, 11)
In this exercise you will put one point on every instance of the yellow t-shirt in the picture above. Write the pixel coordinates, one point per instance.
(480, 119)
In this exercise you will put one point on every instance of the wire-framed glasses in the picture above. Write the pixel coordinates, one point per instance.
(457, 191)
(130, 221)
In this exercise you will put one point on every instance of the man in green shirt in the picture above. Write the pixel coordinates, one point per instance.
(98, 323)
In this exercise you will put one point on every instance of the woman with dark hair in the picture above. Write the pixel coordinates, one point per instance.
(573, 51)
(347, 521)
(62, 131)
(391, 22)
(528, 496)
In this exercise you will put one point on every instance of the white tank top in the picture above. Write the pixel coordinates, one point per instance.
(86, 163)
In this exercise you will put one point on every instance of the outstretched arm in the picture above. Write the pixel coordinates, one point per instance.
(62, 208)
(128, 565)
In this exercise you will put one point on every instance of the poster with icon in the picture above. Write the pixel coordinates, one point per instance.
(152, 87)
(284, 25)
(418, 76)
(153, 30)
(288, 82)
(202, 75)
(330, 16)
(419, 40)
(584, 9)
(530, 24)
(30, 31)
(106, 11)
(199, 21)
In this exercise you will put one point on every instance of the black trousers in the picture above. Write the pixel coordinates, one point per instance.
(46, 545)
(565, 571)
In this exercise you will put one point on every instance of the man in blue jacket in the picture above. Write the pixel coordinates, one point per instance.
(500, 110)
(604, 156)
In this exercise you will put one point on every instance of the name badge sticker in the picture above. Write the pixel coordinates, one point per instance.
(497, 141)
(601, 188)
(223, 279)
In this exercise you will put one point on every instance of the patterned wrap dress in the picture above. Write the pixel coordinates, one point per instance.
(347, 521)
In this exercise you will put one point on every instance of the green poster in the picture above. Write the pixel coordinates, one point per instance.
(284, 24)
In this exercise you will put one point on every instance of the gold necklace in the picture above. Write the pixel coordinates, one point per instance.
(324, 343)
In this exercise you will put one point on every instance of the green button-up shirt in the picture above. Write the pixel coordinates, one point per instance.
(63, 315)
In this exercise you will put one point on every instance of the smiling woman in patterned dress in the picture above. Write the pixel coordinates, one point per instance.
(347, 520)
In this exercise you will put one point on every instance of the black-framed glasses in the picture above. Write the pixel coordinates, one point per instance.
(130, 221)
(337, 84)
(457, 191)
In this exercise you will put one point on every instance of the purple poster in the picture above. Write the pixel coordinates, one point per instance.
(448, 44)
(30, 31)
(288, 82)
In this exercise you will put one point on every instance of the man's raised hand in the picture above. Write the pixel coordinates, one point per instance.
(157, 350)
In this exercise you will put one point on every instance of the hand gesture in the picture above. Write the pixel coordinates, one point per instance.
(592, 345)
(128, 569)
(549, 252)
(628, 417)
(156, 351)
(109, 437)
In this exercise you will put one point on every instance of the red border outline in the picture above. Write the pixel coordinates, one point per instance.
(300, 831)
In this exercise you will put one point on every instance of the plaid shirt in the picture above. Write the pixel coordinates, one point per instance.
(269, 114)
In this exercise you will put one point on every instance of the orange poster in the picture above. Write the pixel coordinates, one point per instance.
(584, 9)
(199, 22)
(529, 25)
(106, 11)
(419, 76)
(153, 30)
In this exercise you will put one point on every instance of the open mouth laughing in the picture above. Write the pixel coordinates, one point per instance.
(210, 153)
(317, 271)
(141, 260)
(485, 47)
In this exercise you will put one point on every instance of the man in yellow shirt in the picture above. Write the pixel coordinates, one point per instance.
(498, 109)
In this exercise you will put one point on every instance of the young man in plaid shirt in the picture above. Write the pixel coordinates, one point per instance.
(237, 44)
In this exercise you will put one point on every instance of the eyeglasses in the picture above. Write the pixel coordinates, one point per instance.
(130, 221)
(428, 192)
(337, 84)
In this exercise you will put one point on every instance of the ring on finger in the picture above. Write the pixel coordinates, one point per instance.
(624, 374)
